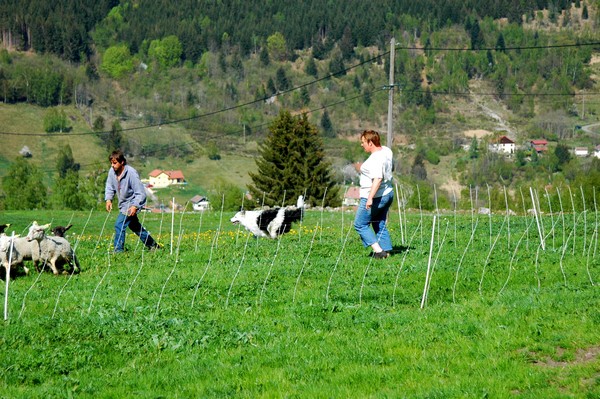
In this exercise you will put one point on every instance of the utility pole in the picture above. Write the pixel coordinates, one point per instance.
(391, 93)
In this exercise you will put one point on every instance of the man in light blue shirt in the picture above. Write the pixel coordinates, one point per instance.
(124, 182)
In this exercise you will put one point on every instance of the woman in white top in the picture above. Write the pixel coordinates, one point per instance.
(376, 195)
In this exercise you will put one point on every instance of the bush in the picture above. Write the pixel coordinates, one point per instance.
(55, 121)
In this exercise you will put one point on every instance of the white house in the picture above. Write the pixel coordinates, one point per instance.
(352, 196)
(163, 178)
(581, 152)
(597, 151)
(200, 203)
(504, 145)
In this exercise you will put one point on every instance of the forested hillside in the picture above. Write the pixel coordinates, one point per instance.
(193, 80)
(62, 27)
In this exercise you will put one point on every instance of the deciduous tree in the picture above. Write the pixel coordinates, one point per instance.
(24, 186)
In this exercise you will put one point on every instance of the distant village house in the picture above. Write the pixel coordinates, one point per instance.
(581, 152)
(540, 145)
(352, 196)
(164, 178)
(504, 145)
(200, 203)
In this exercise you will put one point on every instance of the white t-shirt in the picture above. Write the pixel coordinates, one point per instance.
(378, 165)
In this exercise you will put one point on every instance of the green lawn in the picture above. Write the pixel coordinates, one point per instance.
(218, 313)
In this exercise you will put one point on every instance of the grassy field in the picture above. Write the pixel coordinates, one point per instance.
(218, 313)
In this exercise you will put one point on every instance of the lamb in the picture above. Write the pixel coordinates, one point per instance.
(55, 250)
(21, 250)
(59, 231)
(3, 227)
(5, 251)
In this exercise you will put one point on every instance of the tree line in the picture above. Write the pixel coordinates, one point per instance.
(71, 28)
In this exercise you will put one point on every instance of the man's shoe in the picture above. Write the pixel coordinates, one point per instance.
(155, 247)
(381, 255)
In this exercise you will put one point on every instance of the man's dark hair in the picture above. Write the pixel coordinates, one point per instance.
(118, 155)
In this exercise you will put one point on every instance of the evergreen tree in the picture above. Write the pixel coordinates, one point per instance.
(326, 125)
(474, 149)
(65, 162)
(336, 66)
(356, 82)
(367, 100)
(283, 83)
(271, 89)
(563, 155)
(98, 125)
(346, 44)
(24, 186)
(264, 56)
(311, 67)
(427, 99)
(477, 40)
(584, 12)
(292, 163)
(114, 140)
(500, 44)
(417, 169)
(304, 96)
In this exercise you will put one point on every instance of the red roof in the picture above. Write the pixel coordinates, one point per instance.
(539, 142)
(505, 140)
(175, 174)
(172, 174)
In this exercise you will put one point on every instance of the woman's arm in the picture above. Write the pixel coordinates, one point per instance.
(374, 188)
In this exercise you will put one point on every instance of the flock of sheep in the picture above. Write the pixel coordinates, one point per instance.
(38, 247)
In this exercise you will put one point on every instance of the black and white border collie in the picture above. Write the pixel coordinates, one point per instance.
(270, 223)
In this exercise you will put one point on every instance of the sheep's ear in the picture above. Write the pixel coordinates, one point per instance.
(45, 226)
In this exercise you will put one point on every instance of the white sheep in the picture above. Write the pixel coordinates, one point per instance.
(21, 250)
(55, 250)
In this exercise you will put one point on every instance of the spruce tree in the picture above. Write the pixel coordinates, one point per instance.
(264, 56)
(283, 83)
(311, 67)
(292, 163)
(326, 125)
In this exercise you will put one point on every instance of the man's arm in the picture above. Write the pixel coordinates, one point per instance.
(139, 193)
(110, 189)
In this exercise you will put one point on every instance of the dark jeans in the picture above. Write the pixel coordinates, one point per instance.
(134, 225)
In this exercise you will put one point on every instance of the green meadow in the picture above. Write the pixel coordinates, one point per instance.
(219, 313)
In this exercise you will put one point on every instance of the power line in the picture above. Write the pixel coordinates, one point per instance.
(255, 127)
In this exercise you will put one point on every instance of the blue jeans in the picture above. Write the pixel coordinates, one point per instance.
(375, 217)
(134, 225)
